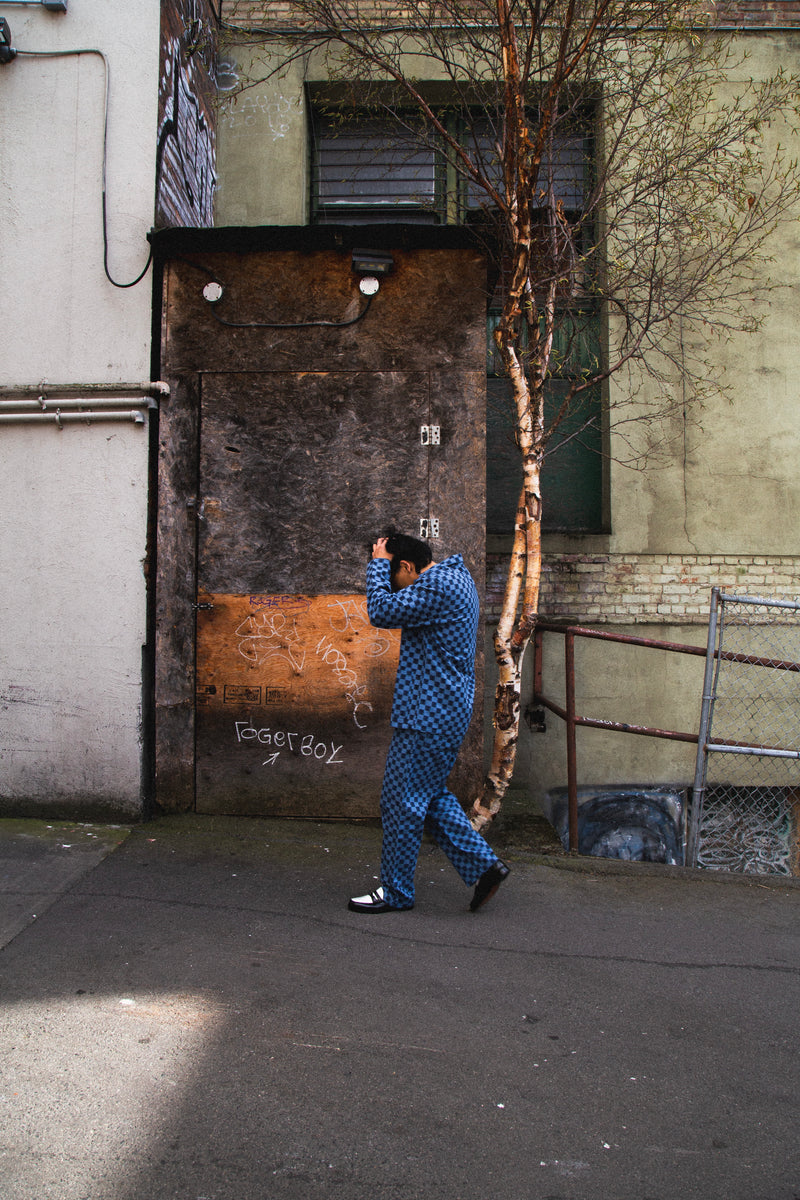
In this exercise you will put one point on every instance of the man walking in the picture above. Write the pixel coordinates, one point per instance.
(436, 607)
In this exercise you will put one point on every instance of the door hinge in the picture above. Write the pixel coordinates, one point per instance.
(205, 606)
(430, 435)
(429, 527)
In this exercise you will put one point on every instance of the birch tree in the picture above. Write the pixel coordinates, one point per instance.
(668, 240)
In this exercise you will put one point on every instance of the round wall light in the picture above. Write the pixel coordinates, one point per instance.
(368, 285)
(213, 292)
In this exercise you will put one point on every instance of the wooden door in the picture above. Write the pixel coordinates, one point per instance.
(283, 449)
(298, 474)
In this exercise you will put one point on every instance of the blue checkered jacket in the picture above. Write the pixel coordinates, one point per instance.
(438, 615)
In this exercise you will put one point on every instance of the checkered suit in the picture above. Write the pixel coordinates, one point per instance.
(434, 691)
(438, 615)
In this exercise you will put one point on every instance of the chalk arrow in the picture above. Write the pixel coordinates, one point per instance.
(268, 762)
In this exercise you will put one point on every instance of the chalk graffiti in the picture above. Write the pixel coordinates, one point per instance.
(280, 113)
(242, 113)
(291, 659)
(352, 614)
(346, 676)
(265, 635)
(305, 744)
(353, 617)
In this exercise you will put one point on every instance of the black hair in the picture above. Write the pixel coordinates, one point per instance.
(404, 548)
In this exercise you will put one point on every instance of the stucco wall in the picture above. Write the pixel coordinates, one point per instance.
(262, 146)
(74, 499)
(719, 495)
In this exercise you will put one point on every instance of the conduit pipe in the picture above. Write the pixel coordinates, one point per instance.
(149, 388)
(66, 418)
(72, 403)
(43, 405)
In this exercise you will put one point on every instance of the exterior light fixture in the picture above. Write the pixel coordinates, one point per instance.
(372, 262)
(368, 285)
(7, 51)
(213, 292)
(370, 265)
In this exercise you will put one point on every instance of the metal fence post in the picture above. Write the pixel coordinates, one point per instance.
(701, 761)
(572, 767)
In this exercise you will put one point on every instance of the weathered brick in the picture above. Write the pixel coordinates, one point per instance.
(630, 589)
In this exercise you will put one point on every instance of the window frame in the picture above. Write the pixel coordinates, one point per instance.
(451, 192)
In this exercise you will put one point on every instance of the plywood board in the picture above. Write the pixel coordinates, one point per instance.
(294, 697)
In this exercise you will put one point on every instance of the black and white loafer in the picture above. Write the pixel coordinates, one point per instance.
(488, 884)
(373, 902)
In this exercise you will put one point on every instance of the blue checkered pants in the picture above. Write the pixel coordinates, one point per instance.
(415, 789)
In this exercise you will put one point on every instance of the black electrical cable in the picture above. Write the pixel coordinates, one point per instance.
(292, 324)
(107, 82)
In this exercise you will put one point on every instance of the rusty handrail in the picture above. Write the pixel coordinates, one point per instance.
(752, 660)
(573, 720)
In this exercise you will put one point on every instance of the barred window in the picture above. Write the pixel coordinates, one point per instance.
(368, 168)
(365, 169)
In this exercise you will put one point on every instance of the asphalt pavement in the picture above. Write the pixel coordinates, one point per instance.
(189, 1010)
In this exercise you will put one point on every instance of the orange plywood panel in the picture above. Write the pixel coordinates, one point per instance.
(293, 703)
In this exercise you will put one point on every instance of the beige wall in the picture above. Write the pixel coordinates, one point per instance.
(262, 150)
(74, 500)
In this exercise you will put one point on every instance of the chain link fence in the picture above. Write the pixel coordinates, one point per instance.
(745, 808)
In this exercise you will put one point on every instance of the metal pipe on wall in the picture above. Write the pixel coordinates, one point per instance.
(68, 402)
(47, 389)
(71, 418)
(71, 403)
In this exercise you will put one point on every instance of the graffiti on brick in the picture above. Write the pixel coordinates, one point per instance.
(186, 154)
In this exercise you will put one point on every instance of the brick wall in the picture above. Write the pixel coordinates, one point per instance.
(730, 12)
(759, 13)
(634, 589)
(186, 173)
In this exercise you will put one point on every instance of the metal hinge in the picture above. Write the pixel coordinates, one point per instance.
(430, 435)
(204, 607)
(429, 527)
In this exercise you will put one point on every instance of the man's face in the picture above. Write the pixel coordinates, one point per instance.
(403, 574)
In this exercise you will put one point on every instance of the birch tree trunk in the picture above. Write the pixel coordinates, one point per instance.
(521, 159)
(520, 599)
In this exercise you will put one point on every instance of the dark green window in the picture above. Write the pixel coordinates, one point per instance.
(366, 169)
(572, 475)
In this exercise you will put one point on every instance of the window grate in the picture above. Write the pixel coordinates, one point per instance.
(366, 167)
(365, 170)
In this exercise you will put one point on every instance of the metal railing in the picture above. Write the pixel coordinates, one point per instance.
(745, 815)
(567, 712)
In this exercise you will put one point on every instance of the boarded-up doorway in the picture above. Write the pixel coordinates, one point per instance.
(299, 446)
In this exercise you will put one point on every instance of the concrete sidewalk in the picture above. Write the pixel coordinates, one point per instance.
(193, 1013)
